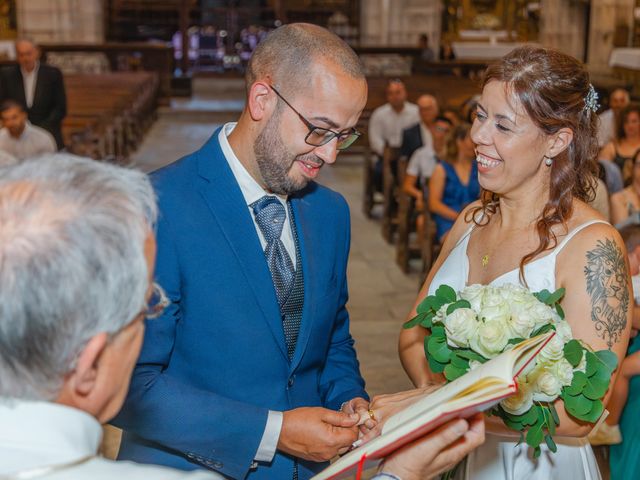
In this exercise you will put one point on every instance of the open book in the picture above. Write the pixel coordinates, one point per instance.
(476, 391)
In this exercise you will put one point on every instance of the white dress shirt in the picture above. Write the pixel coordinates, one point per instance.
(43, 434)
(422, 163)
(6, 159)
(386, 125)
(29, 80)
(252, 191)
(33, 141)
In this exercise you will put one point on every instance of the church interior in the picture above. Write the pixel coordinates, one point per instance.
(149, 81)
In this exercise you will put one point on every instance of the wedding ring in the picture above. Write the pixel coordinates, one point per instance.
(371, 415)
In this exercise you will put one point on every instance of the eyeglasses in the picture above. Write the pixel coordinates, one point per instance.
(319, 136)
(157, 303)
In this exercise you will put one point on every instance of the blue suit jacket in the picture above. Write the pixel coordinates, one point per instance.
(214, 364)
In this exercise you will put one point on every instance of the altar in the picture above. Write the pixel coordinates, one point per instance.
(483, 50)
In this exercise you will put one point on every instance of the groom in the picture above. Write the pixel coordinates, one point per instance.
(252, 372)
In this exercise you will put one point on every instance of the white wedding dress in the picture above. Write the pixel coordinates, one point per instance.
(500, 457)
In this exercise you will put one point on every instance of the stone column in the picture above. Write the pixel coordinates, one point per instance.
(606, 15)
(400, 22)
(563, 26)
(61, 21)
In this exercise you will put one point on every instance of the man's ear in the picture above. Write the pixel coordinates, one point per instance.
(560, 141)
(259, 101)
(83, 378)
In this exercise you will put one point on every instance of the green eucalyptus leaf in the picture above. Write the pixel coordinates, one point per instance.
(578, 406)
(515, 341)
(555, 296)
(577, 385)
(414, 321)
(438, 331)
(573, 352)
(451, 372)
(593, 363)
(534, 435)
(456, 305)
(537, 452)
(438, 348)
(554, 413)
(470, 355)
(560, 311)
(595, 388)
(609, 358)
(434, 365)
(446, 294)
(595, 413)
(550, 443)
(459, 362)
(430, 303)
(543, 329)
(542, 295)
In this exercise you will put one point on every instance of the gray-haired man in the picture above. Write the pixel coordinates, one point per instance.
(76, 261)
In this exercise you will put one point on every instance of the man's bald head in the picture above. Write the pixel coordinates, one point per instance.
(27, 54)
(619, 99)
(429, 109)
(286, 56)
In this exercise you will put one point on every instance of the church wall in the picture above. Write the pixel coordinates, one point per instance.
(61, 21)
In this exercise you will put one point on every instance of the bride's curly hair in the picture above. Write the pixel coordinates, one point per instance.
(553, 88)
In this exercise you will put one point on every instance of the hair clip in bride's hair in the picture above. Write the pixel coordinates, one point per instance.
(591, 99)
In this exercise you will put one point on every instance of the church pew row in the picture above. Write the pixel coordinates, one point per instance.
(108, 114)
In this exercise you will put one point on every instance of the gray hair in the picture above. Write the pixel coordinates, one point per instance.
(288, 52)
(72, 264)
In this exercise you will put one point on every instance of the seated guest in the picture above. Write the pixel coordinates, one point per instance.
(454, 182)
(453, 116)
(388, 121)
(6, 159)
(419, 169)
(618, 100)
(19, 137)
(624, 147)
(421, 134)
(39, 88)
(76, 262)
(612, 176)
(625, 204)
(440, 132)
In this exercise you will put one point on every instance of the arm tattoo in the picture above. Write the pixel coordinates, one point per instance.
(606, 274)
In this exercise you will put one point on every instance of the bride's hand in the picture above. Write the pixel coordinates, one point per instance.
(385, 406)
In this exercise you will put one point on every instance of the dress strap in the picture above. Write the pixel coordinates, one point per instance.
(576, 230)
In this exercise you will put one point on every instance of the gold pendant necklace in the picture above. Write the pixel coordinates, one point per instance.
(485, 260)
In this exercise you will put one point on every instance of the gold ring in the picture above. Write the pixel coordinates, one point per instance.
(371, 415)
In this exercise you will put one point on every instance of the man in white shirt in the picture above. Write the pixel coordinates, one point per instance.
(76, 266)
(388, 121)
(618, 100)
(19, 137)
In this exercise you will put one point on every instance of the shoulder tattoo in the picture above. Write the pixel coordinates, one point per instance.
(606, 274)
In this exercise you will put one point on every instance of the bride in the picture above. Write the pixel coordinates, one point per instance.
(535, 136)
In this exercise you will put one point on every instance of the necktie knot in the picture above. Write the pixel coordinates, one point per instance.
(270, 216)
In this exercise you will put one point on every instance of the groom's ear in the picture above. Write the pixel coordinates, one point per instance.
(260, 102)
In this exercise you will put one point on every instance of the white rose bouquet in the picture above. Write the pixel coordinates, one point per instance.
(480, 322)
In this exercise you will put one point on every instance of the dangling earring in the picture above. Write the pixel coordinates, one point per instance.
(548, 161)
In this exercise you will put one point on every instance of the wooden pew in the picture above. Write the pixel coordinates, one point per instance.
(109, 113)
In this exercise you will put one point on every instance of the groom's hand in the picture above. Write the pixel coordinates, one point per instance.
(316, 433)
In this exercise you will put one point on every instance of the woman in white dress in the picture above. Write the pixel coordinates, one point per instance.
(535, 135)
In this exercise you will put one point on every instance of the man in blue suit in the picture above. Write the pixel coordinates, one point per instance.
(252, 372)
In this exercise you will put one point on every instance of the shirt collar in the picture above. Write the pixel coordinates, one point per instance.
(251, 189)
(49, 426)
(32, 72)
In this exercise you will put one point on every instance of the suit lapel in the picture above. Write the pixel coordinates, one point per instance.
(305, 240)
(224, 198)
(39, 85)
(20, 80)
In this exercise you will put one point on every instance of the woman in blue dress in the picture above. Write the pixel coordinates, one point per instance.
(454, 182)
